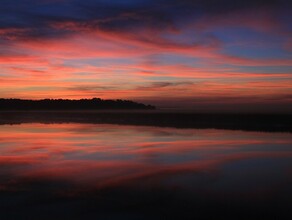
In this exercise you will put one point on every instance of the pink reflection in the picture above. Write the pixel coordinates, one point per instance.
(104, 156)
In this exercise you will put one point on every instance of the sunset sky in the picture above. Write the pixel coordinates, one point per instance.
(194, 54)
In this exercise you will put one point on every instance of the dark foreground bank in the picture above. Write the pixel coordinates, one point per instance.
(249, 122)
(129, 204)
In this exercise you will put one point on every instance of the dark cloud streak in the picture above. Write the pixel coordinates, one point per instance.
(36, 18)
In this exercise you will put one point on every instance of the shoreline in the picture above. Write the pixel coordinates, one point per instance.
(238, 121)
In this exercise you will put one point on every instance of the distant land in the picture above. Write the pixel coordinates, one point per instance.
(125, 112)
(246, 122)
(69, 104)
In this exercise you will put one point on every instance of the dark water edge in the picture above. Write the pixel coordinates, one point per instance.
(138, 204)
(246, 122)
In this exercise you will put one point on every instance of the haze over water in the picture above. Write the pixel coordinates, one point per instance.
(81, 171)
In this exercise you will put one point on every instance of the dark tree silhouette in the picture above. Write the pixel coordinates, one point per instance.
(67, 104)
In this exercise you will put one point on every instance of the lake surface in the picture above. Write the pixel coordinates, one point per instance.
(86, 171)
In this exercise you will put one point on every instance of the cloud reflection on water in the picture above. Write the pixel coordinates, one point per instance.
(76, 159)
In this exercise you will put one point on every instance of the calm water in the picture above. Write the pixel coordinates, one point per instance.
(84, 171)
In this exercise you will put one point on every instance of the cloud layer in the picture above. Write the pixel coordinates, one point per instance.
(145, 50)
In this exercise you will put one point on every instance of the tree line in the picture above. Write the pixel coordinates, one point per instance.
(68, 104)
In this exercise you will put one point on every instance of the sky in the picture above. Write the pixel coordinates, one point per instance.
(205, 55)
